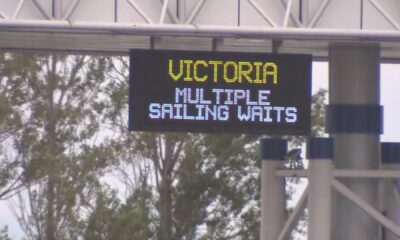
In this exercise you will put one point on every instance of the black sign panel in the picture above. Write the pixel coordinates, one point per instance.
(219, 92)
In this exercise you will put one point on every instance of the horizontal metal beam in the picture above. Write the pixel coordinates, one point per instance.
(291, 173)
(117, 38)
(343, 173)
(366, 173)
(60, 26)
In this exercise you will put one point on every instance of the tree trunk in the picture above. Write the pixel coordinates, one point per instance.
(51, 157)
(50, 225)
(165, 211)
(166, 191)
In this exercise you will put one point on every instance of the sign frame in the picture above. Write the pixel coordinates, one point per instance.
(141, 75)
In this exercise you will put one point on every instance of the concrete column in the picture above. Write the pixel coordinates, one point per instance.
(355, 123)
(320, 153)
(273, 152)
(391, 187)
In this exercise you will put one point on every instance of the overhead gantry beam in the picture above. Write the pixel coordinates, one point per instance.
(304, 28)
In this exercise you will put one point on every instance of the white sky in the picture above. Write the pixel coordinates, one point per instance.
(390, 99)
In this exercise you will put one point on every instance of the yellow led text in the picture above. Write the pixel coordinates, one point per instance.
(226, 71)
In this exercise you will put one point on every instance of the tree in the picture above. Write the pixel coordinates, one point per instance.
(205, 186)
(179, 186)
(113, 220)
(59, 98)
(319, 100)
(10, 123)
(200, 182)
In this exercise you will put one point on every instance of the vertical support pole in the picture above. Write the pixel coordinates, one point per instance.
(273, 152)
(354, 119)
(116, 9)
(303, 12)
(181, 10)
(217, 44)
(320, 153)
(391, 187)
(57, 9)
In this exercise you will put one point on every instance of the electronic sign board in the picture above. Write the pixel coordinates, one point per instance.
(234, 92)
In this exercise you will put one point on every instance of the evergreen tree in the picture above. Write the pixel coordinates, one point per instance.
(10, 123)
(204, 186)
(59, 99)
(180, 186)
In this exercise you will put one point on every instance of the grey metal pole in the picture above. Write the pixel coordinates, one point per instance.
(90, 27)
(354, 119)
(273, 152)
(391, 188)
(181, 10)
(320, 154)
(57, 9)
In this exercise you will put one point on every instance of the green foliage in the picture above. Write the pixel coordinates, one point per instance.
(180, 186)
(58, 99)
(206, 186)
(10, 123)
(318, 113)
(202, 183)
(113, 220)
